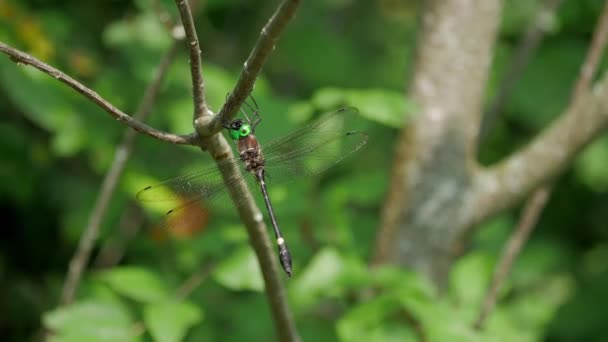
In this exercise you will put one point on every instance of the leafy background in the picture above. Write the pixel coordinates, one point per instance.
(55, 147)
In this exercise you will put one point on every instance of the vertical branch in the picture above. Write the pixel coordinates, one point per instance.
(528, 220)
(538, 200)
(529, 43)
(121, 156)
(198, 84)
(219, 148)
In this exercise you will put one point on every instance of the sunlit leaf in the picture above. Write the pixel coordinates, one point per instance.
(91, 320)
(319, 275)
(591, 165)
(169, 321)
(137, 283)
(470, 278)
(240, 271)
(384, 106)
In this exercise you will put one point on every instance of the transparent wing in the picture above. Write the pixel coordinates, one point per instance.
(195, 186)
(315, 147)
(185, 192)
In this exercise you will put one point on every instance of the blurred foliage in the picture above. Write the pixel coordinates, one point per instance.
(56, 146)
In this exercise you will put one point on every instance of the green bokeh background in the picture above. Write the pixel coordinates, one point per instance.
(55, 147)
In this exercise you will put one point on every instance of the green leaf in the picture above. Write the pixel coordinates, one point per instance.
(169, 321)
(592, 166)
(470, 279)
(144, 29)
(383, 106)
(91, 320)
(321, 274)
(136, 283)
(240, 272)
(370, 321)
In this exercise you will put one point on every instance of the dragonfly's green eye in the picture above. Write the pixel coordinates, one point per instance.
(245, 130)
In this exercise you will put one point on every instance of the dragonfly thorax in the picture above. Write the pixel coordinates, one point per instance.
(250, 153)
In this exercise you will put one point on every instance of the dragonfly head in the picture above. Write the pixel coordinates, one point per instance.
(238, 129)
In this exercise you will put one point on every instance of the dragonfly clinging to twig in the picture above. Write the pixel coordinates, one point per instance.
(305, 152)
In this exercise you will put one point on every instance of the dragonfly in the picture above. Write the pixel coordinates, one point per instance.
(305, 152)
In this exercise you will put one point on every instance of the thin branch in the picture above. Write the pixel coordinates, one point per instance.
(113, 249)
(528, 45)
(538, 200)
(23, 58)
(590, 66)
(253, 66)
(198, 84)
(194, 281)
(121, 156)
(530, 216)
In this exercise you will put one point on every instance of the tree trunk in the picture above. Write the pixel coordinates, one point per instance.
(425, 210)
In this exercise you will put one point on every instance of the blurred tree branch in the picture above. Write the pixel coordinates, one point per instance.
(526, 49)
(110, 181)
(537, 202)
(503, 185)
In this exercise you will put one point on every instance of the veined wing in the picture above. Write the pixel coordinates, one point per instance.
(185, 191)
(315, 147)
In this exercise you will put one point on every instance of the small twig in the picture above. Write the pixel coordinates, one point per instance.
(194, 281)
(538, 200)
(528, 45)
(589, 67)
(512, 248)
(23, 58)
(256, 60)
(91, 232)
(113, 249)
(198, 83)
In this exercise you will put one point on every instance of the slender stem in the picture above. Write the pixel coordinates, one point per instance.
(113, 249)
(526, 49)
(194, 281)
(511, 250)
(590, 66)
(23, 58)
(538, 200)
(257, 58)
(121, 156)
(198, 84)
